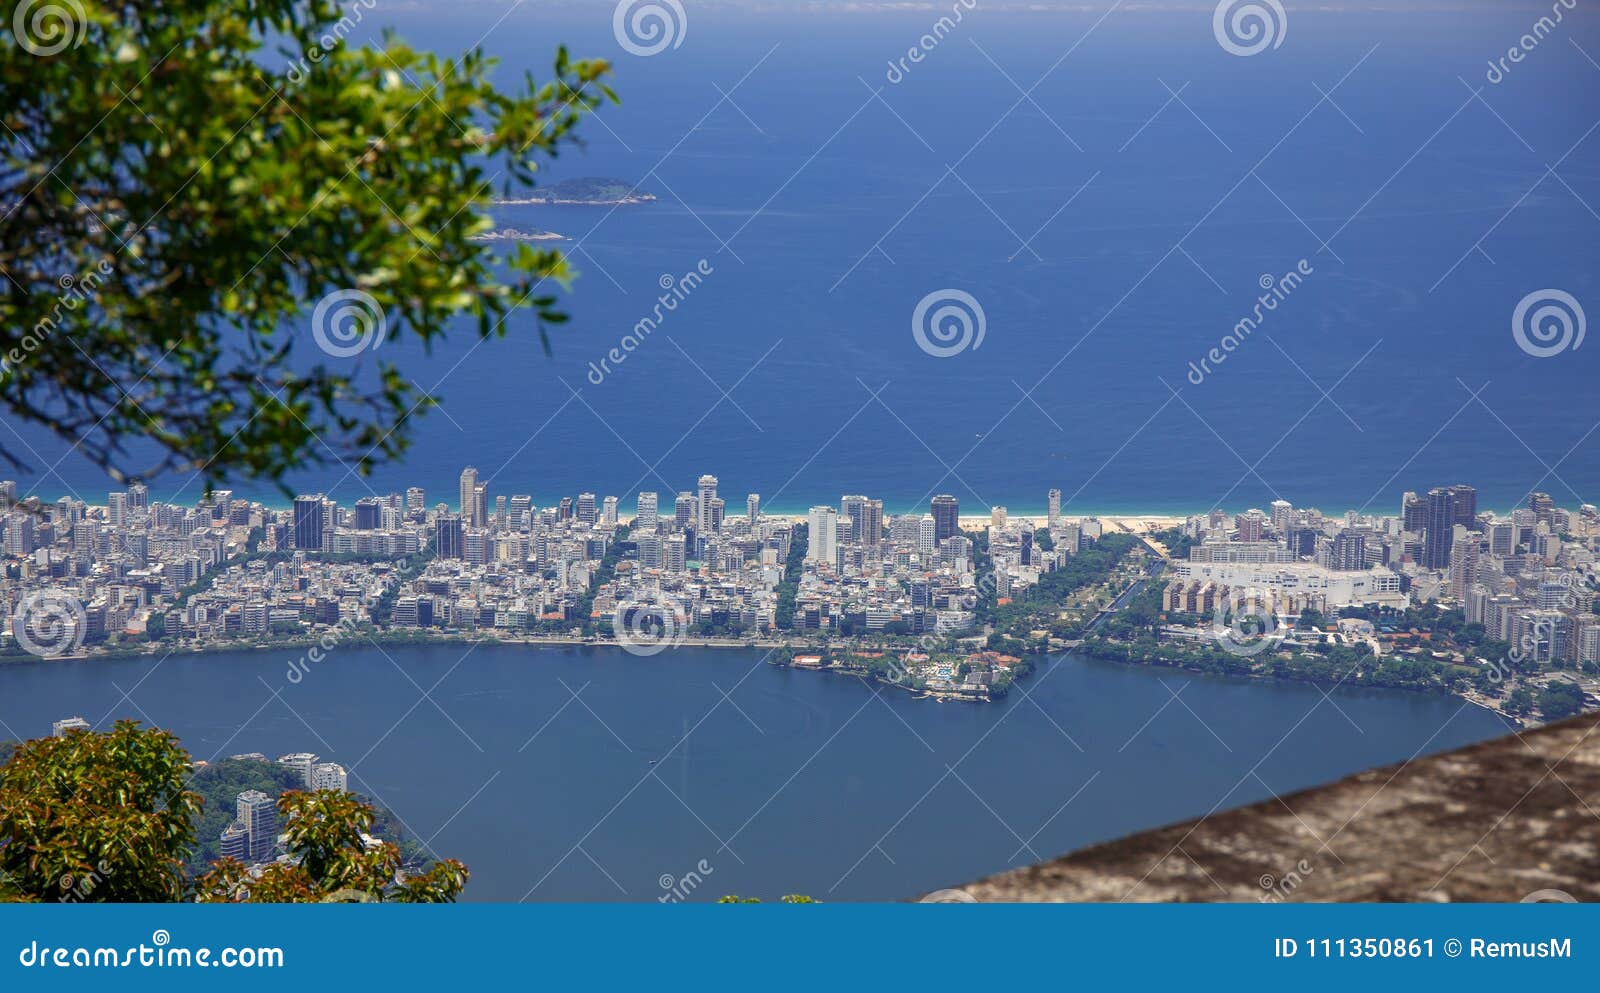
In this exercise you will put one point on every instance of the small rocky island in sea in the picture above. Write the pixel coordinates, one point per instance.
(588, 191)
(517, 234)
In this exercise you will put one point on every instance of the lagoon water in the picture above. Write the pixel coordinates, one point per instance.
(534, 765)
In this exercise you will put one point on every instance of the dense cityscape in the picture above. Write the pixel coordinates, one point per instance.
(931, 601)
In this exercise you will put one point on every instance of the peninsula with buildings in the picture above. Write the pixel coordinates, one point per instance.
(1497, 608)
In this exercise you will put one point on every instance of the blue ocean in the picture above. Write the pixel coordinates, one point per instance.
(1104, 191)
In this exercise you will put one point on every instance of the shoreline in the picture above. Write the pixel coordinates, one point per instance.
(1081, 652)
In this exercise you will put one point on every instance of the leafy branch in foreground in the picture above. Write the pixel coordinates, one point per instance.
(109, 817)
(174, 208)
(333, 859)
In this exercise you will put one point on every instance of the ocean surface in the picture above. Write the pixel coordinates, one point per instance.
(589, 774)
(1111, 231)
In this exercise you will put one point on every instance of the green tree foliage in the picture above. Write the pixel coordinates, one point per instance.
(793, 569)
(101, 817)
(176, 205)
(1560, 699)
(110, 817)
(331, 861)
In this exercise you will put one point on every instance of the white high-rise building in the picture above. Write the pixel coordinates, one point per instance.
(1053, 508)
(645, 515)
(823, 524)
(301, 763)
(329, 776)
(708, 496)
(608, 510)
(469, 487)
(927, 535)
(752, 506)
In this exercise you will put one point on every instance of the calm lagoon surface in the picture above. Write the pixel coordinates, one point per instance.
(591, 774)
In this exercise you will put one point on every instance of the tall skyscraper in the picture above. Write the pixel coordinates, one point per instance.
(684, 515)
(1439, 534)
(258, 815)
(708, 493)
(416, 499)
(872, 524)
(480, 505)
(608, 510)
(468, 494)
(586, 511)
(308, 522)
(1349, 551)
(854, 509)
(369, 514)
(1543, 507)
(946, 517)
(823, 536)
(1053, 508)
(752, 506)
(645, 514)
(448, 536)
